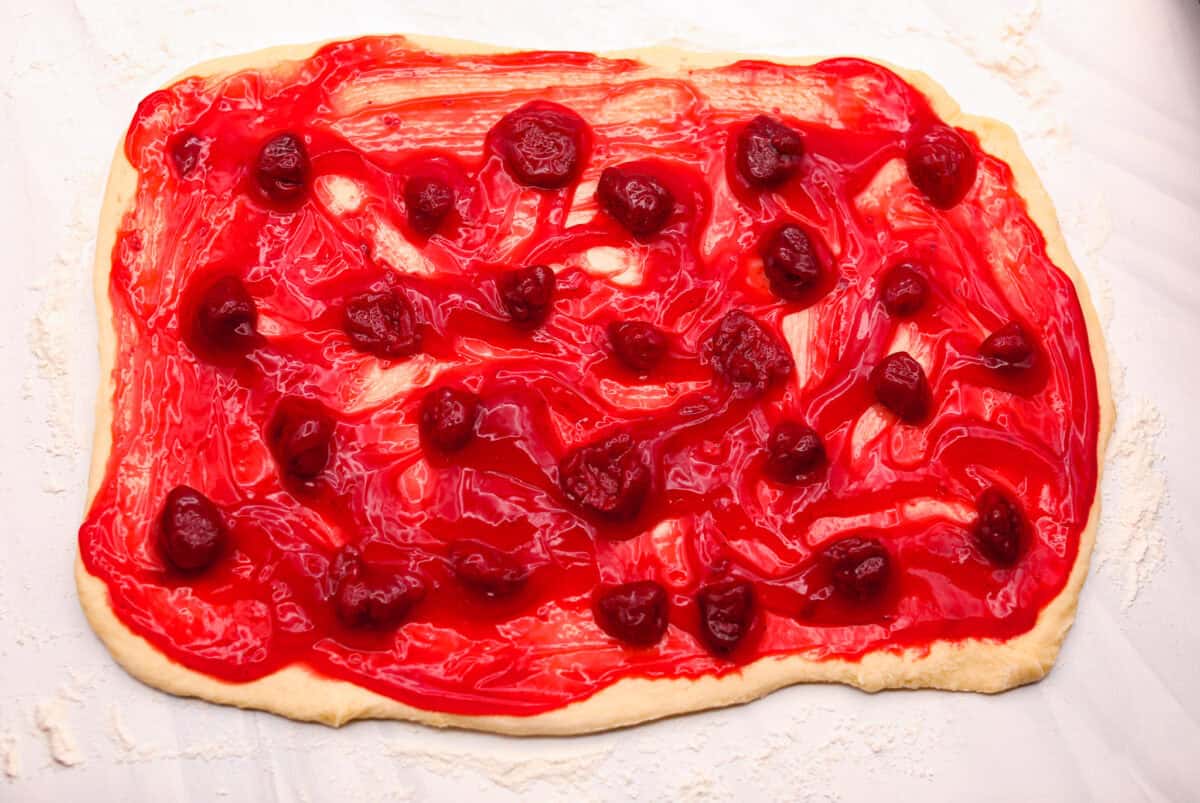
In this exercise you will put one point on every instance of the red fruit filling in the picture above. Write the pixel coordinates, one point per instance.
(543, 144)
(486, 570)
(635, 613)
(191, 530)
(300, 435)
(790, 262)
(640, 346)
(1009, 349)
(904, 291)
(448, 418)
(186, 153)
(608, 478)
(942, 165)
(746, 356)
(794, 452)
(899, 384)
(768, 152)
(225, 320)
(527, 295)
(858, 567)
(282, 169)
(999, 530)
(368, 598)
(382, 324)
(727, 612)
(428, 201)
(639, 202)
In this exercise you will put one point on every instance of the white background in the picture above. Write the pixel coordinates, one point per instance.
(1106, 97)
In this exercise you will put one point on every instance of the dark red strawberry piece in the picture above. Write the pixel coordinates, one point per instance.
(382, 324)
(448, 417)
(1000, 529)
(727, 612)
(746, 356)
(639, 345)
(899, 384)
(300, 435)
(790, 262)
(527, 294)
(428, 202)
(226, 318)
(608, 478)
(1009, 349)
(486, 570)
(904, 290)
(191, 530)
(542, 144)
(282, 169)
(858, 567)
(768, 152)
(942, 165)
(794, 452)
(635, 613)
(639, 202)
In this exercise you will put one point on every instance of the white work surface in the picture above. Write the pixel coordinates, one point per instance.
(1106, 97)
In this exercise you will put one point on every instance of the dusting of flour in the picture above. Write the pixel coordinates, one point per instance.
(512, 767)
(804, 754)
(130, 749)
(50, 717)
(58, 344)
(1131, 544)
(1008, 50)
(10, 756)
(1010, 53)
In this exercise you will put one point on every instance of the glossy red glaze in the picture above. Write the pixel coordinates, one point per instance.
(708, 513)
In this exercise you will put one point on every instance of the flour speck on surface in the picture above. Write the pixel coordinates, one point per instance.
(513, 768)
(837, 742)
(128, 748)
(57, 338)
(699, 788)
(78, 683)
(1008, 51)
(10, 756)
(50, 716)
(1131, 544)
(806, 753)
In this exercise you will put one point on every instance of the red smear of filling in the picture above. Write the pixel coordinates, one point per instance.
(382, 252)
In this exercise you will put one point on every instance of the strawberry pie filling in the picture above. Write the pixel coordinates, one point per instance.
(484, 382)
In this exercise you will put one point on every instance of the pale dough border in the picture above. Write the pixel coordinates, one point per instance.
(298, 693)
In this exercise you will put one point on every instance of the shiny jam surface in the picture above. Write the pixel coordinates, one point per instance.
(372, 114)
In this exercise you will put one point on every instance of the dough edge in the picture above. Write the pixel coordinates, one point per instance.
(298, 693)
